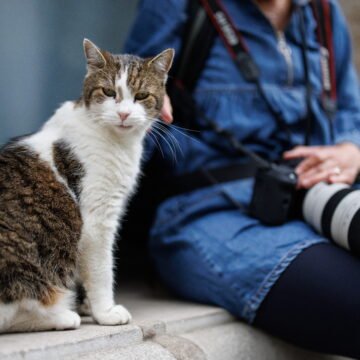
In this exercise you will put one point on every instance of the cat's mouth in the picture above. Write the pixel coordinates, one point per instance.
(125, 127)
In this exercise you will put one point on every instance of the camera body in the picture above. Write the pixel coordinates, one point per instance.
(275, 198)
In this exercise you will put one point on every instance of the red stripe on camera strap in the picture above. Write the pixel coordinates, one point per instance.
(232, 38)
(213, 8)
(322, 14)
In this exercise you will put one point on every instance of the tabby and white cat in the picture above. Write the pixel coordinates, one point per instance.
(63, 191)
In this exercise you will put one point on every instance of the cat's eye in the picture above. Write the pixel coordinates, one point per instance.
(141, 96)
(109, 92)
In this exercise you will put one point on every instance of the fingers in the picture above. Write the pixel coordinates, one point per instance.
(327, 172)
(307, 164)
(346, 177)
(316, 174)
(316, 166)
(334, 164)
(301, 151)
(308, 182)
(166, 111)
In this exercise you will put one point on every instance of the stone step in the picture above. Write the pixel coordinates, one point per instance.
(163, 328)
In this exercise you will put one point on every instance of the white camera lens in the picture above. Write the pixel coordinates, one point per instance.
(334, 211)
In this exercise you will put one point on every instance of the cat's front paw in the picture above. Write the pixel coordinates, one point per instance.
(67, 320)
(117, 315)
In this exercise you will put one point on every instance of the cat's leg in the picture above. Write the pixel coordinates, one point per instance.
(82, 302)
(36, 315)
(83, 308)
(96, 270)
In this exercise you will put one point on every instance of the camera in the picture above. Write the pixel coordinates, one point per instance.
(333, 210)
(275, 198)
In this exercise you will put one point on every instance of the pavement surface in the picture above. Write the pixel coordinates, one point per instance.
(164, 328)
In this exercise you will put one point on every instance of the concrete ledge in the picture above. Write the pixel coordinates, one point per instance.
(163, 328)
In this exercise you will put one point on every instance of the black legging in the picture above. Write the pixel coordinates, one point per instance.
(316, 302)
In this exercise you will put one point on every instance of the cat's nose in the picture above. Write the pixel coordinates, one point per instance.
(123, 115)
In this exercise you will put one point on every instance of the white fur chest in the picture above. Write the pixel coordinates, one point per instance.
(111, 171)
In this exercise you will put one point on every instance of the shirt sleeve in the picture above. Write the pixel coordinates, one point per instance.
(347, 120)
(158, 25)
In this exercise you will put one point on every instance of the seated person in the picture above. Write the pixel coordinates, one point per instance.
(288, 280)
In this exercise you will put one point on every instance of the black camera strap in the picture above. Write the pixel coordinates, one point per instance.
(322, 14)
(197, 41)
(239, 52)
(204, 21)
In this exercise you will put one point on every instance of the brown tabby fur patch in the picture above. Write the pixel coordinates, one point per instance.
(52, 296)
(68, 166)
(40, 226)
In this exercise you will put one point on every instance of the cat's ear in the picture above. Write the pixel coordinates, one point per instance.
(93, 55)
(163, 61)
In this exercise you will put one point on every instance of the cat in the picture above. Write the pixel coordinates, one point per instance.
(63, 191)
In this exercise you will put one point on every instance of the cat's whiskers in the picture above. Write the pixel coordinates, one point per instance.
(176, 128)
(171, 125)
(168, 133)
(173, 151)
(171, 138)
(156, 142)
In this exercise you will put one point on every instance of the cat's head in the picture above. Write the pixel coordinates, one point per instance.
(124, 92)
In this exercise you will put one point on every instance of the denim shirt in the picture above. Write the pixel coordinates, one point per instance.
(226, 97)
(241, 257)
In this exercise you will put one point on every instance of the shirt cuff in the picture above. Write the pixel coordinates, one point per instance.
(349, 136)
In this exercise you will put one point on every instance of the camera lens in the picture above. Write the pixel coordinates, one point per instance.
(334, 211)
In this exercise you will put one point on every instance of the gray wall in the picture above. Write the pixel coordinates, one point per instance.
(41, 56)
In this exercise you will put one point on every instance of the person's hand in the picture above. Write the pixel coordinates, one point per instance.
(166, 111)
(334, 164)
